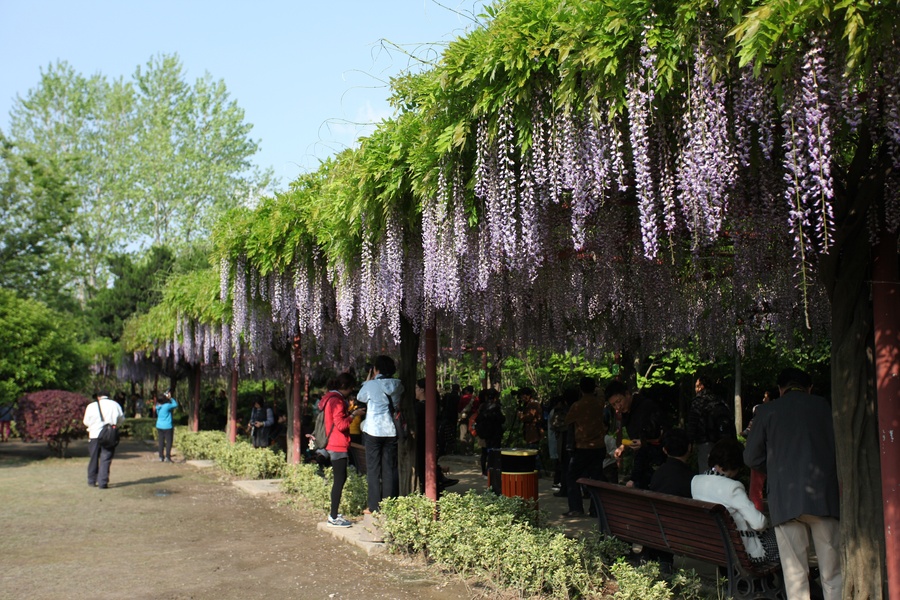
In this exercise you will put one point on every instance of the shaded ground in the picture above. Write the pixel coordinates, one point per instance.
(170, 531)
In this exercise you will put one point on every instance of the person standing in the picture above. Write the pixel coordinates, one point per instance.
(164, 428)
(7, 412)
(585, 422)
(262, 419)
(335, 405)
(709, 420)
(100, 412)
(381, 394)
(792, 439)
(489, 425)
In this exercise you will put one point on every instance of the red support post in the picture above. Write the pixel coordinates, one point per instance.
(195, 409)
(886, 317)
(232, 406)
(296, 443)
(431, 412)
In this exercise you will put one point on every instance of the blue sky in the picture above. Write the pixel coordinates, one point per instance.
(305, 72)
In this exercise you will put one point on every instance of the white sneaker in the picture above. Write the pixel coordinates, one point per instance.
(338, 521)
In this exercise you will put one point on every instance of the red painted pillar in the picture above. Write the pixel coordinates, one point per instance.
(232, 406)
(431, 412)
(886, 317)
(195, 409)
(296, 442)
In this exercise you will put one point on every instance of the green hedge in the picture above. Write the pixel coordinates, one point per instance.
(240, 459)
(307, 483)
(140, 429)
(501, 539)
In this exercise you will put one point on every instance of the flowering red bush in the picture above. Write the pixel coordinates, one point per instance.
(52, 415)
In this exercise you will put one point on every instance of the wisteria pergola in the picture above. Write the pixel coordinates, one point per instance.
(619, 174)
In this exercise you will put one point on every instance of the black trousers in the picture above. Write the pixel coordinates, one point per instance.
(98, 464)
(585, 462)
(339, 471)
(381, 469)
(165, 436)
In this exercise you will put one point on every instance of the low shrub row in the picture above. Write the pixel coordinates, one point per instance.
(240, 459)
(312, 485)
(501, 539)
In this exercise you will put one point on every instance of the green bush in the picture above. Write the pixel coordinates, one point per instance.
(306, 483)
(239, 459)
(502, 539)
(140, 429)
(494, 536)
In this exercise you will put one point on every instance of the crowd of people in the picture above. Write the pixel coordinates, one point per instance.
(609, 434)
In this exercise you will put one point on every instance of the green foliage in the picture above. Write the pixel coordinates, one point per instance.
(137, 287)
(240, 459)
(53, 416)
(550, 372)
(154, 159)
(37, 205)
(494, 537)
(644, 583)
(313, 486)
(40, 349)
(670, 368)
(140, 429)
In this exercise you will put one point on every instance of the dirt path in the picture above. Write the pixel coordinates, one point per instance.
(170, 531)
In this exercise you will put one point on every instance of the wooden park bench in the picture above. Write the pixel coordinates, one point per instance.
(358, 455)
(691, 528)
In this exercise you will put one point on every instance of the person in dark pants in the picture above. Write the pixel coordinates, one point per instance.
(98, 413)
(586, 425)
(489, 424)
(381, 394)
(165, 428)
(337, 422)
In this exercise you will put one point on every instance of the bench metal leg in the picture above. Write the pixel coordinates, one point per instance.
(745, 587)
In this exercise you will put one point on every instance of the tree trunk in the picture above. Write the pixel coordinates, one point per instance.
(409, 356)
(738, 403)
(846, 272)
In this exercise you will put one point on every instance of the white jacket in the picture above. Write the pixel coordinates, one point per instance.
(112, 414)
(731, 494)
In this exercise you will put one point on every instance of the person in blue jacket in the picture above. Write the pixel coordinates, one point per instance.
(381, 395)
(164, 427)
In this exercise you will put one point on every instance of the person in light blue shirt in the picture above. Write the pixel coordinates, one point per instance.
(164, 427)
(380, 393)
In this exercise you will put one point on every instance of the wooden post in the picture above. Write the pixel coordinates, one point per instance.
(232, 406)
(431, 412)
(195, 409)
(886, 317)
(296, 442)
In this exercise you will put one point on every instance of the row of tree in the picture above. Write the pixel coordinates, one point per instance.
(92, 167)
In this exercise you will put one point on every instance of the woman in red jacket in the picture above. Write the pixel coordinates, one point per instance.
(337, 424)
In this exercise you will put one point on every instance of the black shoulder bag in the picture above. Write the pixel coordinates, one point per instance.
(109, 435)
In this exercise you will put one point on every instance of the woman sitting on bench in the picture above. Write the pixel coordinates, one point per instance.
(719, 485)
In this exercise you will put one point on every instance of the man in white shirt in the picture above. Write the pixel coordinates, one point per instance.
(101, 458)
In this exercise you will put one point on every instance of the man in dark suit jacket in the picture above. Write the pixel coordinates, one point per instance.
(793, 441)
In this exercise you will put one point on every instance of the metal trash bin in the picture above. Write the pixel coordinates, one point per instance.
(518, 474)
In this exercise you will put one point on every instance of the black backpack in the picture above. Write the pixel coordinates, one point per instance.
(320, 436)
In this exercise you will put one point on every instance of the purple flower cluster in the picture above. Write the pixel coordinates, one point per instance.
(239, 296)
(706, 168)
(640, 102)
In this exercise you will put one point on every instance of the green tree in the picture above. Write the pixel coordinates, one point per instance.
(195, 153)
(152, 160)
(137, 287)
(40, 349)
(37, 203)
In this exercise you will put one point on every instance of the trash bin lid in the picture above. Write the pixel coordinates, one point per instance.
(518, 452)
